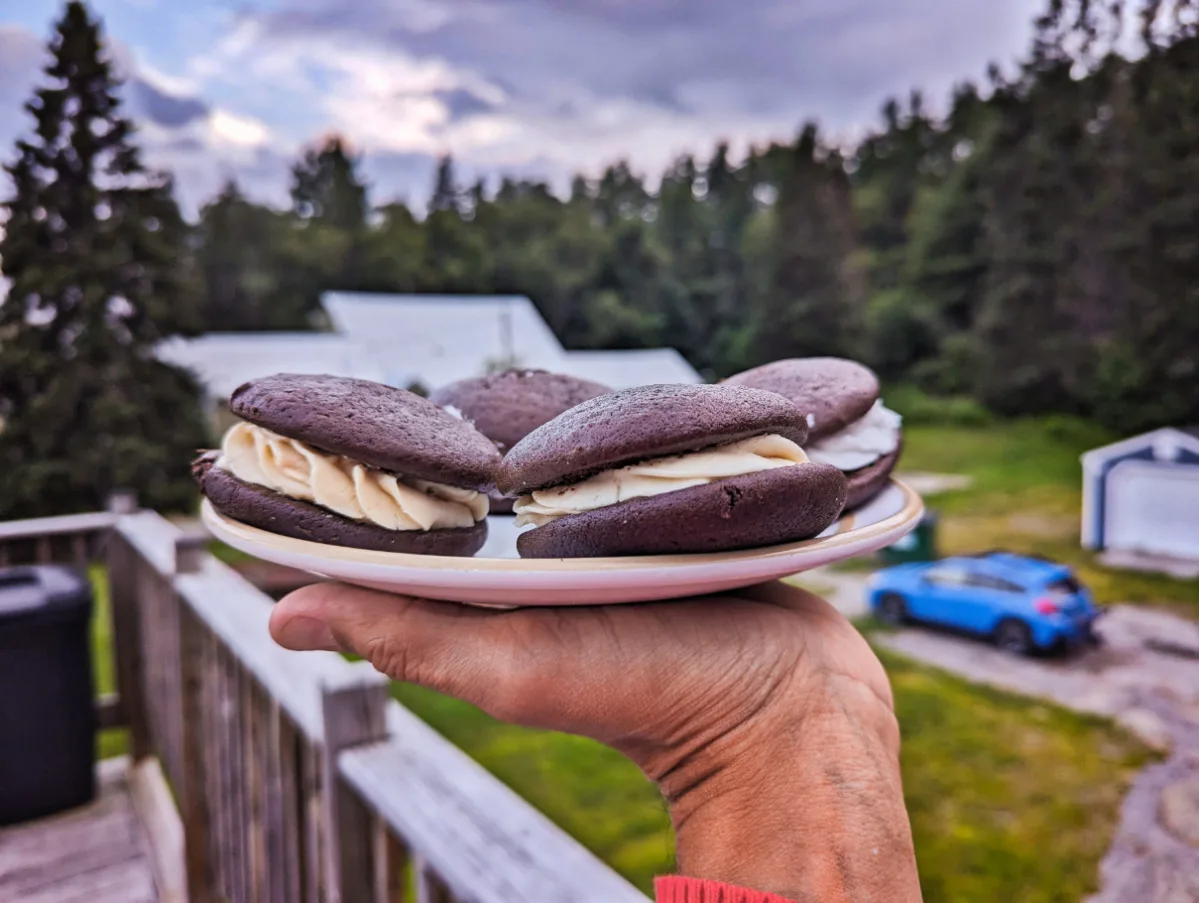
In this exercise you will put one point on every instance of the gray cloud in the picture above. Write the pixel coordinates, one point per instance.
(176, 142)
(671, 75)
(161, 108)
(462, 104)
(783, 59)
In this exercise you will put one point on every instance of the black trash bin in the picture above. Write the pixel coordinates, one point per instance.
(47, 717)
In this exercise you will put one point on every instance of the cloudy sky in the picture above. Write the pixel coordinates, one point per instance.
(545, 87)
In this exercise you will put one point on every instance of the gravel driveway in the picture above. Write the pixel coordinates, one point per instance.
(1145, 676)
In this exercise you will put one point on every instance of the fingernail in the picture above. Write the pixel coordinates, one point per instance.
(307, 635)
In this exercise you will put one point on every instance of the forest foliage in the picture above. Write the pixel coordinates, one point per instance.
(1032, 246)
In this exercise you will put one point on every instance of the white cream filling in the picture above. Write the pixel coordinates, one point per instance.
(862, 442)
(657, 477)
(297, 470)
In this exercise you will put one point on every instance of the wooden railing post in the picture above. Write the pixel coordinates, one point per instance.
(122, 565)
(354, 711)
(190, 550)
(193, 804)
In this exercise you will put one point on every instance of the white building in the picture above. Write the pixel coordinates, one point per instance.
(222, 361)
(407, 340)
(1141, 495)
(635, 367)
(436, 339)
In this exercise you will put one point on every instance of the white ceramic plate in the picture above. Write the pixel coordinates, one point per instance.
(498, 577)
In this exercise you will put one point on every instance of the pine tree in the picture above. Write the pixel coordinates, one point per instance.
(447, 195)
(326, 187)
(457, 258)
(326, 251)
(1034, 333)
(816, 303)
(240, 261)
(1149, 371)
(94, 246)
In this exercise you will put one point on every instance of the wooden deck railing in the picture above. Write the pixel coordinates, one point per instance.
(296, 776)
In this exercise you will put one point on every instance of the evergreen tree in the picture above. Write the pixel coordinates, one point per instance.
(457, 257)
(1034, 348)
(816, 303)
(326, 187)
(1149, 368)
(326, 251)
(240, 257)
(447, 195)
(94, 247)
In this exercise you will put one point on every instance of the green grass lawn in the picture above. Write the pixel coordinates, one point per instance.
(1010, 799)
(1027, 497)
(111, 742)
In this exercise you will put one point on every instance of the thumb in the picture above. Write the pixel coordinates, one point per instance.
(471, 653)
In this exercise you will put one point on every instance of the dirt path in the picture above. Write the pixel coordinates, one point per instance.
(1154, 857)
(1144, 677)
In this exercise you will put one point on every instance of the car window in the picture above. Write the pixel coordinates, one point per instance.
(997, 583)
(1065, 586)
(946, 576)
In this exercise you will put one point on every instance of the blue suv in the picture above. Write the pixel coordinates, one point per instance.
(1024, 604)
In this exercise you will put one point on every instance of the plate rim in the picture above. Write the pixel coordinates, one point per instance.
(217, 524)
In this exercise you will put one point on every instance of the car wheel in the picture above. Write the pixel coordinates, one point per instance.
(892, 609)
(1014, 637)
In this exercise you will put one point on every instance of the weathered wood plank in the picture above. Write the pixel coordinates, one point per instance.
(193, 801)
(391, 864)
(94, 522)
(152, 538)
(109, 712)
(292, 817)
(483, 840)
(238, 614)
(79, 550)
(103, 834)
(312, 809)
(274, 825)
(354, 712)
(94, 853)
(251, 766)
(429, 887)
(214, 778)
(239, 795)
(124, 882)
(162, 828)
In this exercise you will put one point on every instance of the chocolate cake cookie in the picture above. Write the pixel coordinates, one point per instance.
(353, 463)
(505, 407)
(850, 427)
(667, 470)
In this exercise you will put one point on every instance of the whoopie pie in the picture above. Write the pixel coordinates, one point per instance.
(850, 427)
(667, 470)
(352, 463)
(505, 407)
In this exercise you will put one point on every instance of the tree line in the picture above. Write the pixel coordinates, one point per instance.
(1035, 246)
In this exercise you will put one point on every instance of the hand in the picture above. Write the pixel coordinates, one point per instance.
(763, 716)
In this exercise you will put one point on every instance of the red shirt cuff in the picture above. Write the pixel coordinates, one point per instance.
(675, 889)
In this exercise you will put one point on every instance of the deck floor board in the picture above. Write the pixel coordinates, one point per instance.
(95, 854)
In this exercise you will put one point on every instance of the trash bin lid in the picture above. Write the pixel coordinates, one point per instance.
(42, 592)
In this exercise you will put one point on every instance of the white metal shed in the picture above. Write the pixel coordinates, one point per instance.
(1141, 495)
